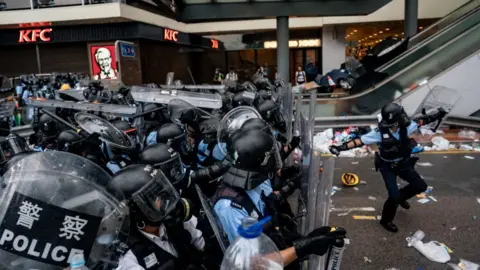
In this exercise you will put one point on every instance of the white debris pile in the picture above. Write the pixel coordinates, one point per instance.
(323, 140)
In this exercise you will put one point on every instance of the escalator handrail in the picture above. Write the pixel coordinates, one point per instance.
(432, 53)
(430, 38)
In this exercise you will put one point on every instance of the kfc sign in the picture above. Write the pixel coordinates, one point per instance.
(170, 35)
(214, 43)
(34, 35)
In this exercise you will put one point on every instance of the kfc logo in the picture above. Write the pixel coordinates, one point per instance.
(34, 35)
(104, 66)
(214, 43)
(170, 35)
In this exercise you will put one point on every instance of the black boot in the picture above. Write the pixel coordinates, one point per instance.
(388, 213)
(389, 226)
(405, 205)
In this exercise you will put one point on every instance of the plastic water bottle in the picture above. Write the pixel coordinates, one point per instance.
(78, 262)
(433, 250)
(252, 249)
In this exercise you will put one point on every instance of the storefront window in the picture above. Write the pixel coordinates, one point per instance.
(268, 59)
(243, 62)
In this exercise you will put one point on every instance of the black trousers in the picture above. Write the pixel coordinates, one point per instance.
(407, 172)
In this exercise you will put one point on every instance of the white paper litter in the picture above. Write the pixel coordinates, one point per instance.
(469, 157)
(354, 162)
(362, 182)
(453, 228)
(426, 130)
(478, 200)
(424, 200)
(466, 147)
(367, 260)
(372, 198)
(425, 164)
(347, 241)
(356, 188)
(440, 143)
(432, 198)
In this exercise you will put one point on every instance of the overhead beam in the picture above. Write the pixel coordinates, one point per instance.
(254, 10)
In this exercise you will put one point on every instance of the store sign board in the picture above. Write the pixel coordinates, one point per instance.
(127, 50)
(35, 35)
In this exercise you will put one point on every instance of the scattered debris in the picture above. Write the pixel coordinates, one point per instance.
(421, 195)
(424, 200)
(433, 198)
(347, 241)
(384, 238)
(469, 134)
(356, 188)
(429, 190)
(440, 143)
(453, 228)
(469, 157)
(447, 248)
(425, 164)
(343, 214)
(372, 198)
(464, 265)
(367, 260)
(349, 210)
(378, 218)
(433, 250)
(365, 217)
(362, 182)
(354, 162)
(466, 147)
(474, 217)
(445, 157)
(392, 269)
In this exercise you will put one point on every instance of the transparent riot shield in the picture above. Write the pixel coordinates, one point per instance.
(437, 97)
(116, 110)
(181, 111)
(164, 96)
(209, 213)
(54, 205)
(107, 131)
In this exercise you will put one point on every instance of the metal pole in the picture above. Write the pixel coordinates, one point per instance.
(39, 64)
(283, 54)
(411, 18)
(31, 4)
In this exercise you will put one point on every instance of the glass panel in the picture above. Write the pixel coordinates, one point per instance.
(436, 42)
(17, 4)
(243, 62)
(372, 100)
(268, 58)
(444, 22)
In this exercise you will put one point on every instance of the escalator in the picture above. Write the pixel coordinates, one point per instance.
(430, 53)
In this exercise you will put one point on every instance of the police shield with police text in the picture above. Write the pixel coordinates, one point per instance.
(53, 208)
(394, 156)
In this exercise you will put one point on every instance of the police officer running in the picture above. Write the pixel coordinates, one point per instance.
(163, 232)
(394, 157)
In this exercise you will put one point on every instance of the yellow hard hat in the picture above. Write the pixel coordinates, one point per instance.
(350, 179)
(65, 86)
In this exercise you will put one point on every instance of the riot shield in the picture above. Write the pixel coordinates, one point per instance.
(214, 222)
(164, 96)
(181, 111)
(117, 110)
(439, 96)
(71, 94)
(107, 131)
(55, 206)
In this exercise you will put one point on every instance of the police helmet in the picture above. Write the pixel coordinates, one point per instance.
(162, 156)
(66, 138)
(243, 99)
(48, 125)
(394, 115)
(175, 136)
(208, 129)
(270, 112)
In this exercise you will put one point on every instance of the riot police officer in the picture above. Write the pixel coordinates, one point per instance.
(247, 188)
(394, 157)
(163, 232)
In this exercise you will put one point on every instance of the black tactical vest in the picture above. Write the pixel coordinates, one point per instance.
(391, 148)
(149, 255)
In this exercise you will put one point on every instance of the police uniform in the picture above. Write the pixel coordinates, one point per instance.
(156, 251)
(394, 160)
(209, 153)
(232, 211)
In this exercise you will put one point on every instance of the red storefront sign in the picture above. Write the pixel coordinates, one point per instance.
(170, 35)
(34, 35)
(214, 43)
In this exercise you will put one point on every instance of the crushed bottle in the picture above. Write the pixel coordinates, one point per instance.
(433, 250)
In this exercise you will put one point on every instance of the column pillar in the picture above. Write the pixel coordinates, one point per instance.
(283, 52)
(411, 18)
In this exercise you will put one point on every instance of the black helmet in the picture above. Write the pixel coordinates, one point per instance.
(394, 115)
(255, 123)
(148, 192)
(208, 129)
(48, 125)
(162, 156)
(66, 138)
(175, 136)
(243, 99)
(122, 125)
(252, 150)
(270, 112)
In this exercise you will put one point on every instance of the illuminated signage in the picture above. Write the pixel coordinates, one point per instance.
(34, 35)
(294, 43)
(214, 43)
(170, 35)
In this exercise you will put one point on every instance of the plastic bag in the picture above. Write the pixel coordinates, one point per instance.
(440, 143)
(469, 134)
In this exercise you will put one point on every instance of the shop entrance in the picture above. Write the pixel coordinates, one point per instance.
(308, 59)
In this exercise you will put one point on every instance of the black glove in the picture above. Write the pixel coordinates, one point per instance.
(335, 150)
(295, 142)
(318, 241)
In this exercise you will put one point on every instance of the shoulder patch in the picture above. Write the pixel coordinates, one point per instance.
(236, 205)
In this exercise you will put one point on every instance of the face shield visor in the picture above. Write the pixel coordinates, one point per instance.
(172, 168)
(157, 198)
(233, 122)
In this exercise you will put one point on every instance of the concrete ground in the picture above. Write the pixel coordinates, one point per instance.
(451, 220)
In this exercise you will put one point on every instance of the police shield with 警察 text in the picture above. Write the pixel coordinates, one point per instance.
(394, 156)
(55, 208)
